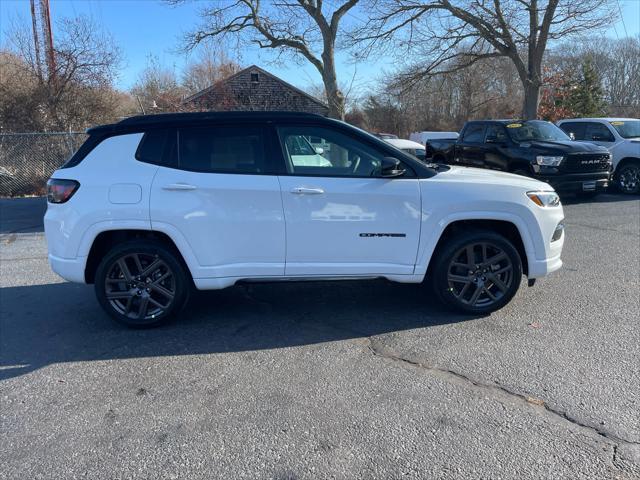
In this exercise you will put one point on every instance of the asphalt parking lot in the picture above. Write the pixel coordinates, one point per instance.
(338, 380)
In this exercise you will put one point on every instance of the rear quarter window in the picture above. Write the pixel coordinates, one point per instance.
(158, 147)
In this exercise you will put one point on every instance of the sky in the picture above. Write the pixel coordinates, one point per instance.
(151, 27)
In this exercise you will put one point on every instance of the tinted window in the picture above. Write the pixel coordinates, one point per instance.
(158, 147)
(328, 152)
(599, 133)
(474, 133)
(222, 149)
(577, 128)
(533, 130)
(496, 133)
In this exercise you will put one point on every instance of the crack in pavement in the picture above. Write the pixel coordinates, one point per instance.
(378, 350)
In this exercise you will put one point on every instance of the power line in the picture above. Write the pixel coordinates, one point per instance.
(622, 18)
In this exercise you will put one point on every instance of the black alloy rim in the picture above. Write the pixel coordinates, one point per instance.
(480, 274)
(140, 286)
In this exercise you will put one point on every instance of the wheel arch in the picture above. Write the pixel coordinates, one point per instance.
(106, 239)
(506, 228)
(626, 160)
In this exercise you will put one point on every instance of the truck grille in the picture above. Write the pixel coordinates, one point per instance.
(587, 162)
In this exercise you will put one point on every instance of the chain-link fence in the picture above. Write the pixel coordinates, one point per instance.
(27, 160)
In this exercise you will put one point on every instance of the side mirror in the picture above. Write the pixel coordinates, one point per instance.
(319, 150)
(572, 135)
(492, 139)
(391, 167)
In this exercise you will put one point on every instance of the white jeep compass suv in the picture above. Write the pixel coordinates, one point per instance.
(153, 205)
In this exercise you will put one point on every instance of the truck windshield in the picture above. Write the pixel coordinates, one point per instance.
(535, 130)
(627, 128)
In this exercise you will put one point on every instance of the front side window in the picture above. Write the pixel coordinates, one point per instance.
(599, 133)
(474, 134)
(577, 128)
(495, 133)
(312, 150)
(222, 149)
(535, 130)
(627, 128)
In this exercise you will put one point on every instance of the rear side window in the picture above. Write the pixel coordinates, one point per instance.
(474, 134)
(599, 133)
(577, 128)
(158, 147)
(222, 149)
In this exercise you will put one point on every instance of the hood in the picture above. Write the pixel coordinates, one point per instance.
(491, 177)
(566, 147)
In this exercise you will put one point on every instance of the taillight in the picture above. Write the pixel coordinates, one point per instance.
(59, 191)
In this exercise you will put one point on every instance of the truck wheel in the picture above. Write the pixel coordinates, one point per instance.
(476, 272)
(141, 283)
(627, 178)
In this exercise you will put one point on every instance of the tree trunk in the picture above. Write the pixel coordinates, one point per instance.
(335, 98)
(531, 99)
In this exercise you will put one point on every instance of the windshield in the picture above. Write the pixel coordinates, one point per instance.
(535, 130)
(627, 128)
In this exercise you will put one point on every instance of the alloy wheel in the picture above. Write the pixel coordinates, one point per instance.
(480, 274)
(140, 286)
(629, 179)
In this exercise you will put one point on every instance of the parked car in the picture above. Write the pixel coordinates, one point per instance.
(152, 205)
(412, 148)
(531, 148)
(424, 137)
(621, 136)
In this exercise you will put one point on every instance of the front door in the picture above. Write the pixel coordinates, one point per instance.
(221, 197)
(342, 218)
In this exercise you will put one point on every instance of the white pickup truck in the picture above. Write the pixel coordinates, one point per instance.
(621, 136)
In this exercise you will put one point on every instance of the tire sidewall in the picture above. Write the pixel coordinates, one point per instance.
(152, 248)
(439, 278)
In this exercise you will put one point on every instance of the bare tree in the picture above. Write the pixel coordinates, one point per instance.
(468, 31)
(210, 66)
(158, 89)
(80, 93)
(308, 29)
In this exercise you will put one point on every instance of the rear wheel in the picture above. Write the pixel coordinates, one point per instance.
(627, 178)
(477, 272)
(141, 283)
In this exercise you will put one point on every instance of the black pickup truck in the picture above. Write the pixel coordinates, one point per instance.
(533, 148)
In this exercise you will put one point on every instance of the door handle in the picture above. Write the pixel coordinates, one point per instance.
(179, 187)
(307, 191)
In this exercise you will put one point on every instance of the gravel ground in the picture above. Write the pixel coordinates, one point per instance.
(335, 380)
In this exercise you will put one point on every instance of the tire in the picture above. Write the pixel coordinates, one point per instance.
(142, 284)
(627, 178)
(456, 278)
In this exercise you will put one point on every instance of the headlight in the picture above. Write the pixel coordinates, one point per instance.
(544, 199)
(549, 161)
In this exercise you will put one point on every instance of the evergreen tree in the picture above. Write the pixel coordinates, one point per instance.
(586, 97)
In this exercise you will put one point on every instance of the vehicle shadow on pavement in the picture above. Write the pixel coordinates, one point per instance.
(46, 324)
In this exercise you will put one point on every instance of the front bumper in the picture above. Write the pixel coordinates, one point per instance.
(578, 182)
(71, 269)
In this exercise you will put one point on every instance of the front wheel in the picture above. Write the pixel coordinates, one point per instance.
(477, 272)
(627, 178)
(141, 283)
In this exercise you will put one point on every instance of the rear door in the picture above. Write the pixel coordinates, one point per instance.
(342, 217)
(222, 197)
(470, 148)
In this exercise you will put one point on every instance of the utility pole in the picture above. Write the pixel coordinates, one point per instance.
(43, 39)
